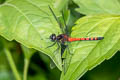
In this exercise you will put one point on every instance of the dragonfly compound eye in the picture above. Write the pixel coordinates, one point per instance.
(53, 37)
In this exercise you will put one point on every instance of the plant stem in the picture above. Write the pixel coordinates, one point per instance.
(12, 64)
(26, 65)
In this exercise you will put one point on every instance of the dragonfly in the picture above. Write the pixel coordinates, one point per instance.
(64, 37)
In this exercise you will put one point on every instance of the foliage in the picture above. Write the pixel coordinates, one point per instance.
(30, 22)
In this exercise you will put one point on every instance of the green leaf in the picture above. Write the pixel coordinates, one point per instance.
(30, 22)
(89, 7)
(88, 54)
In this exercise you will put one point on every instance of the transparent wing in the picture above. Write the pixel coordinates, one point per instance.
(66, 58)
(52, 64)
(66, 27)
(60, 25)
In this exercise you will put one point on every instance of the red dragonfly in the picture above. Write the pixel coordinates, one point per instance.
(63, 38)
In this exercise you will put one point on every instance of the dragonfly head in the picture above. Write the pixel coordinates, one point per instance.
(53, 37)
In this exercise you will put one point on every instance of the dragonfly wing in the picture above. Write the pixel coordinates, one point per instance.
(66, 27)
(52, 64)
(57, 55)
(60, 25)
(66, 58)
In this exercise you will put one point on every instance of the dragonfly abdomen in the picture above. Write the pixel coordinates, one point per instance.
(85, 39)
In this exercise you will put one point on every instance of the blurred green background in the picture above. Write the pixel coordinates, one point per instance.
(39, 67)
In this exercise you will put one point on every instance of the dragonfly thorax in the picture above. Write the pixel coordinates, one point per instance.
(53, 37)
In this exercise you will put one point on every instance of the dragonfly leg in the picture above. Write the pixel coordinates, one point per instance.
(68, 49)
(63, 47)
(57, 47)
(51, 45)
(57, 50)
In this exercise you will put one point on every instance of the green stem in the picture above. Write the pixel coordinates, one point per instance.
(26, 65)
(12, 64)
